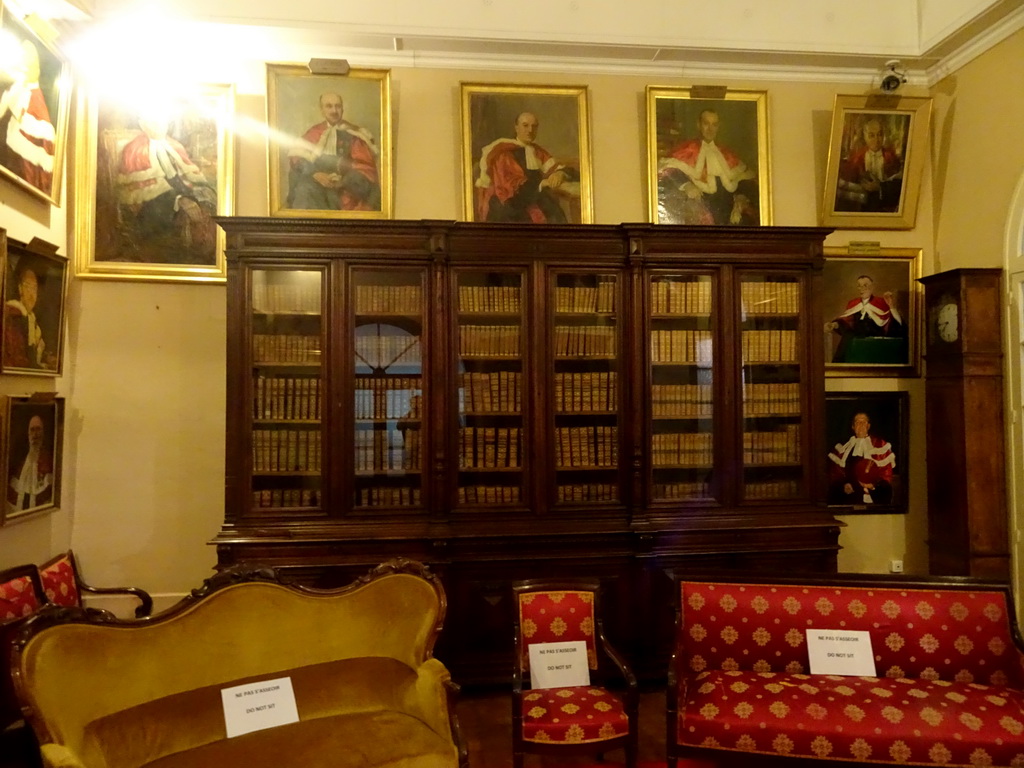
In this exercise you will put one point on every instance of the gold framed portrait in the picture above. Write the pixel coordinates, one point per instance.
(31, 454)
(35, 287)
(876, 158)
(872, 310)
(329, 143)
(526, 154)
(149, 180)
(708, 160)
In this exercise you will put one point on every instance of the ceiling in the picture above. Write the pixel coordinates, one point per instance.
(792, 39)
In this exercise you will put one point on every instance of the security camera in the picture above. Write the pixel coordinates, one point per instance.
(893, 77)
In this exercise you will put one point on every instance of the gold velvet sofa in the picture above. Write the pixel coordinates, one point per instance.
(108, 693)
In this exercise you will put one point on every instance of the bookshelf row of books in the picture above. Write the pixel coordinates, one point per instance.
(388, 497)
(584, 447)
(489, 298)
(586, 392)
(773, 346)
(389, 299)
(286, 450)
(285, 348)
(389, 397)
(774, 489)
(688, 449)
(781, 446)
(489, 340)
(488, 494)
(286, 397)
(384, 350)
(771, 399)
(297, 295)
(690, 401)
(681, 297)
(691, 490)
(381, 450)
(770, 298)
(584, 341)
(587, 492)
(586, 298)
(498, 392)
(682, 346)
(488, 447)
(288, 498)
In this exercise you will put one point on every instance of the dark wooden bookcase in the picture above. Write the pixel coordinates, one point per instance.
(508, 402)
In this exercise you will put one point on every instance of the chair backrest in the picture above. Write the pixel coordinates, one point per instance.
(556, 612)
(59, 575)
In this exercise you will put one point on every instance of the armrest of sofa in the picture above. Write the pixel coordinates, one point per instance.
(430, 697)
(59, 756)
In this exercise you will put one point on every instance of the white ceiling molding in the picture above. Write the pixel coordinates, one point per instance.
(976, 46)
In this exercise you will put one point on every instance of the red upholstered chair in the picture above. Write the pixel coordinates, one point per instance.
(21, 595)
(579, 720)
(63, 585)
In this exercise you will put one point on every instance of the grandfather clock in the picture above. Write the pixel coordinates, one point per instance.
(967, 514)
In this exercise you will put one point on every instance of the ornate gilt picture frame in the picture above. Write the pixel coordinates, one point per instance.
(872, 307)
(31, 454)
(329, 143)
(708, 159)
(526, 154)
(876, 158)
(148, 182)
(35, 88)
(35, 286)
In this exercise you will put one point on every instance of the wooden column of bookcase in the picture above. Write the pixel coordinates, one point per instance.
(512, 402)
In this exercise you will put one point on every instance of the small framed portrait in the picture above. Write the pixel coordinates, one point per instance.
(872, 309)
(149, 180)
(33, 438)
(876, 156)
(329, 143)
(526, 154)
(867, 451)
(35, 284)
(35, 89)
(708, 156)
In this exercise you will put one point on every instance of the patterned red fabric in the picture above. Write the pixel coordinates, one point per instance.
(573, 715)
(557, 617)
(17, 599)
(59, 583)
(949, 690)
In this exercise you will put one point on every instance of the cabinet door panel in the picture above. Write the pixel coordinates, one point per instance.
(490, 435)
(287, 392)
(586, 354)
(681, 378)
(388, 445)
(771, 343)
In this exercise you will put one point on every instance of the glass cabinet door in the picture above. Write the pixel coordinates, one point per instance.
(682, 359)
(490, 378)
(585, 390)
(288, 388)
(772, 413)
(388, 444)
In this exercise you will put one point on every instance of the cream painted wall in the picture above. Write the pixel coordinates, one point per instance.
(148, 385)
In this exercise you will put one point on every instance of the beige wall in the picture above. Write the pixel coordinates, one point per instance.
(146, 381)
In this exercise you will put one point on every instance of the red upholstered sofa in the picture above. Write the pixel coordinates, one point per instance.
(949, 688)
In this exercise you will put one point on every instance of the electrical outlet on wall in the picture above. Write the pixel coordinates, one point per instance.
(895, 566)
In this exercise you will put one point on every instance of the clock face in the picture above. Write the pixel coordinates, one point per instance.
(947, 323)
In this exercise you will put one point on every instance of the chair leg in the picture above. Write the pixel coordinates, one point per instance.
(631, 752)
(517, 759)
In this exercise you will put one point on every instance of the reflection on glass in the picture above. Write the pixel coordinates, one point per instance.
(682, 400)
(772, 411)
(388, 396)
(287, 386)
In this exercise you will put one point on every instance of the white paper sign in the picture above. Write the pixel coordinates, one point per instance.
(840, 652)
(559, 665)
(255, 706)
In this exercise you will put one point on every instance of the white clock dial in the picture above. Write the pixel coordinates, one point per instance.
(947, 322)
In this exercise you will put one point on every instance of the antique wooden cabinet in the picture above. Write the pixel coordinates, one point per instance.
(505, 402)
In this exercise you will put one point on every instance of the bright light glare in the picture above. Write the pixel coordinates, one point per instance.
(11, 55)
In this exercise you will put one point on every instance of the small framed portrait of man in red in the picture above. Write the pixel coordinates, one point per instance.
(33, 437)
(35, 279)
(526, 154)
